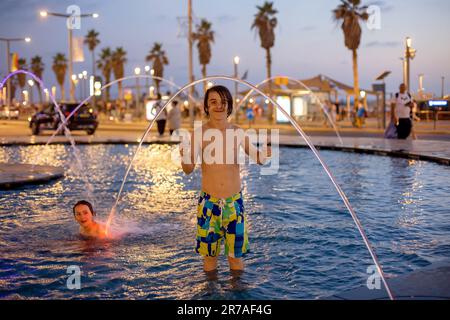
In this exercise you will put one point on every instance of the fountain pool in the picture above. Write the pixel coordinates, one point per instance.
(304, 245)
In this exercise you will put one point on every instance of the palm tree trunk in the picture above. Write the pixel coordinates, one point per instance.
(21, 94)
(39, 92)
(119, 88)
(355, 79)
(157, 86)
(269, 75)
(204, 76)
(93, 62)
(63, 93)
(107, 93)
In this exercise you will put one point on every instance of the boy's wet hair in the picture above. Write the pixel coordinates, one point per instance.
(225, 96)
(86, 203)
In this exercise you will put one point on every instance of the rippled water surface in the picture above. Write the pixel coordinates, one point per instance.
(303, 241)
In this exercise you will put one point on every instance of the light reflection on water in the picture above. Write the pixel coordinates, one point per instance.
(303, 243)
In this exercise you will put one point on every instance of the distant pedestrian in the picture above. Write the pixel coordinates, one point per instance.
(337, 110)
(360, 115)
(174, 117)
(161, 119)
(402, 104)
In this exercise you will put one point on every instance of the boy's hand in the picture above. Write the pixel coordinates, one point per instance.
(184, 143)
(265, 152)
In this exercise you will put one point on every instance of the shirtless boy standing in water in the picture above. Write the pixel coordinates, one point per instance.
(220, 212)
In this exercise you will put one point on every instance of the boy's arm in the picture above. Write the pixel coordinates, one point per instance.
(261, 154)
(188, 160)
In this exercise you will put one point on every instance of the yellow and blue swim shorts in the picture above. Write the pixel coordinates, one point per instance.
(219, 219)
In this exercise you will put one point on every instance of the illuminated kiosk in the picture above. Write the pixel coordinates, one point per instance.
(295, 99)
(302, 102)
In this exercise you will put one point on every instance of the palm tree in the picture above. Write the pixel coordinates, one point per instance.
(159, 58)
(22, 77)
(265, 22)
(204, 36)
(105, 64)
(59, 68)
(37, 67)
(118, 64)
(13, 87)
(92, 41)
(350, 12)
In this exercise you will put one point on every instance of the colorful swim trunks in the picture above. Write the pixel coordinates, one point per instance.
(218, 219)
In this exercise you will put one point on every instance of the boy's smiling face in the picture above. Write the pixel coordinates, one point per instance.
(83, 215)
(217, 108)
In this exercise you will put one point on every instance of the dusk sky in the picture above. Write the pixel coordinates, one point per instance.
(308, 42)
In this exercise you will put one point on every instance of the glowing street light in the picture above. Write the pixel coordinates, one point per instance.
(152, 91)
(410, 53)
(31, 84)
(147, 71)
(408, 42)
(137, 71)
(236, 61)
(47, 95)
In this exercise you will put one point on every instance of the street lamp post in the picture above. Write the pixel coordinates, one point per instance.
(74, 81)
(45, 14)
(421, 83)
(191, 70)
(8, 63)
(442, 87)
(85, 83)
(31, 84)
(80, 79)
(147, 72)
(236, 63)
(137, 71)
(410, 53)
